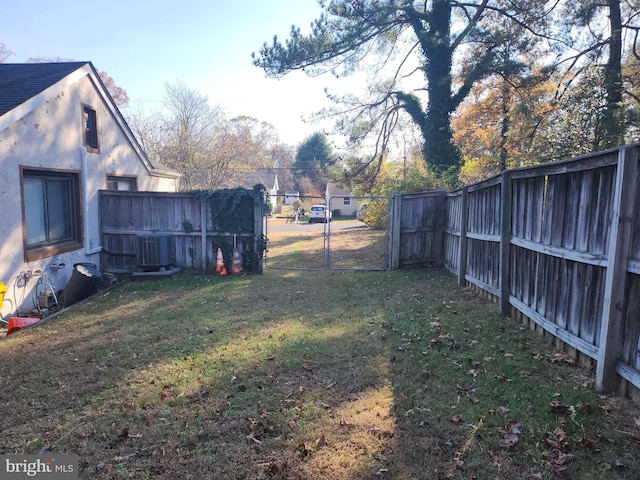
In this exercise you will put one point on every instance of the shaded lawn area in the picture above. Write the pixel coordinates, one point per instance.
(307, 375)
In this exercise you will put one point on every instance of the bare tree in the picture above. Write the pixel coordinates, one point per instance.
(191, 128)
(4, 52)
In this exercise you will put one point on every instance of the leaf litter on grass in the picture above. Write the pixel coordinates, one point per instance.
(338, 375)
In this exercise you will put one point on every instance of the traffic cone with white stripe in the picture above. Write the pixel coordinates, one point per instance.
(220, 268)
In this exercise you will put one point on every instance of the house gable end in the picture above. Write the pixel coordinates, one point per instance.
(25, 87)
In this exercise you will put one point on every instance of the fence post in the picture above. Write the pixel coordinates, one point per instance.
(462, 254)
(616, 275)
(396, 213)
(506, 206)
(203, 233)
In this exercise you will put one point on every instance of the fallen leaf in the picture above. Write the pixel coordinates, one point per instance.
(558, 408)
(506, 444)
(303, 449)
(563, 358)
(122, 458)
(585, 407)
(510, 433)
(585, 442)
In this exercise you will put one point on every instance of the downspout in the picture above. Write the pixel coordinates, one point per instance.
(89, 248)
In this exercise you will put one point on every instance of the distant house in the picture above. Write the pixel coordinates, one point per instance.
(62, 140)
(290, 196)
(339, 199)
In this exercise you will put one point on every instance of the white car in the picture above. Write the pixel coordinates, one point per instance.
(320, 214)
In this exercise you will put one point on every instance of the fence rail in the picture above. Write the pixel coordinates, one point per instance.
(560, 244)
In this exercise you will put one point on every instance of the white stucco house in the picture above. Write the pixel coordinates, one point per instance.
(340, 199)
(62, 139)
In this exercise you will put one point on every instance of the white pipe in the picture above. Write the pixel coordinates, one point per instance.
(89, 249)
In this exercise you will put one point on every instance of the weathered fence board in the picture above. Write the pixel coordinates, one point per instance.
(452, 231)
(561, 244)
(420, 225)
(186, 217)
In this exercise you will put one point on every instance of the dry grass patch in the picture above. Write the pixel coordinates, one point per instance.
(305, 375)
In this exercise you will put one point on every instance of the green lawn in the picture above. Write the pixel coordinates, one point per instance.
(307, 375)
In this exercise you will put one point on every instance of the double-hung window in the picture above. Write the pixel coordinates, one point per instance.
(51, 207)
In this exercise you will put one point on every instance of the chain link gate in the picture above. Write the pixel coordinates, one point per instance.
(355, 237)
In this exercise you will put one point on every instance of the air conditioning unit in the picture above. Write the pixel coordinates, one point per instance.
(155, 251)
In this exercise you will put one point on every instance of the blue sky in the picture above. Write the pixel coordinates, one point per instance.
(207, 44)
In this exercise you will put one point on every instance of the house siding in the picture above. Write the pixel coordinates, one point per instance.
(50, 137)
(336, 197)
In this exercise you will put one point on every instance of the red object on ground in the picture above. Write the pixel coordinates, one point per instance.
(17, 323)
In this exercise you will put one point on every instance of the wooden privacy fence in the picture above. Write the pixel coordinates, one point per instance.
(418, 223)
(560, 243)
(197, 225)
(418, 226)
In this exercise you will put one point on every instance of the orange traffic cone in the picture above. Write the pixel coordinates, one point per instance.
(220, 269)
(236, 263)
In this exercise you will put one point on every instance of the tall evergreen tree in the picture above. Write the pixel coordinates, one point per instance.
(350, 32)
(313, 159)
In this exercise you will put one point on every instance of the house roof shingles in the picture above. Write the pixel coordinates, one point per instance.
(251, 178)
(21, 81)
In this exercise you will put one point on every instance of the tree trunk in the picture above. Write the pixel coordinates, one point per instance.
(613, 125)
(438, 148)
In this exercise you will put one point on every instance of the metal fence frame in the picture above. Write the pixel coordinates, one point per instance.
(388, 235)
